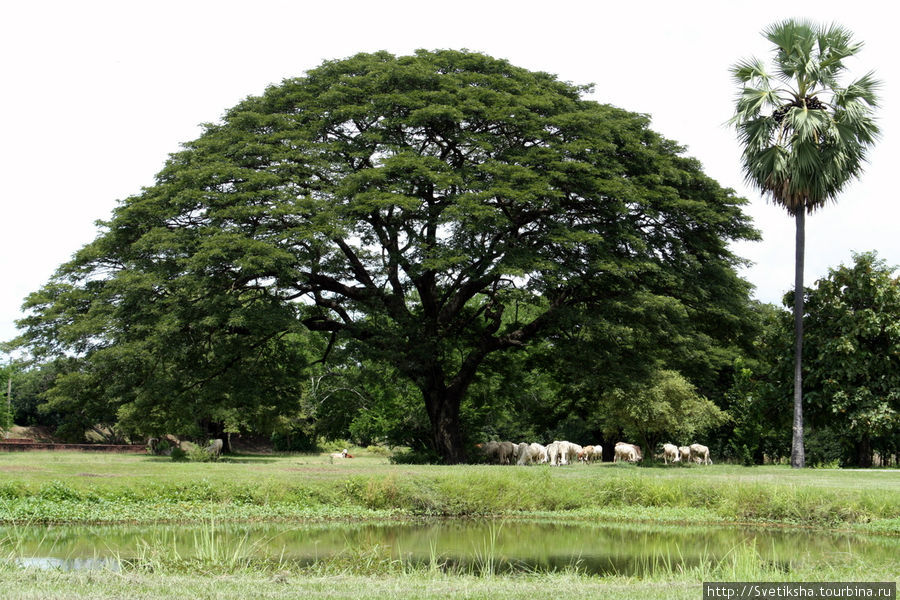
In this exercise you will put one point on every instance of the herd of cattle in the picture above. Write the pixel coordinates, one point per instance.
(564, 453)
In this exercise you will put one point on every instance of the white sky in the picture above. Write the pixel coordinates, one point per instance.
(95, 95)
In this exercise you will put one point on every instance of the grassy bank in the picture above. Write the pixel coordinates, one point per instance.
(87, 488)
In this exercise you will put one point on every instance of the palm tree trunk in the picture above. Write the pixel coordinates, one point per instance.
(798, 456)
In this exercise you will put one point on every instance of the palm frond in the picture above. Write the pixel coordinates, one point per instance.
(750, 70)
(817, 136)
(807, 124)
(835, 43)
(752, 101)
(863, 89)
(758, 133)
(794, 42)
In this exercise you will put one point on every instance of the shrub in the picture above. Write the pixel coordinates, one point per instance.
(334, 445)
(200, 454)
(57, 490)
(163, 447)
(416, 457)
(379, 450)
(12, 489)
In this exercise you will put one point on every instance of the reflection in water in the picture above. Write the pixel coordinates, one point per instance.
(69, 564)
(510, 545)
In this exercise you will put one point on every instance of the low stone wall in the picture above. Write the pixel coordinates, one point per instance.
(20, 445)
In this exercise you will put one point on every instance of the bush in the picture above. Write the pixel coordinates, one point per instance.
(823, 447)
(416, 457)
(162, 448)
(200, 454)
(334, 445)
(379, 450)
(744, 455)
(179, 455)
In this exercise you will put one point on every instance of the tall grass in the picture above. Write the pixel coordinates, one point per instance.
(208, 553)
(486, 560)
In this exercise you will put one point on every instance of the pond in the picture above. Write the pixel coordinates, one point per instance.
(502, 546)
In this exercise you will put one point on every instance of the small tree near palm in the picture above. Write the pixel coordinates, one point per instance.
(804, 137)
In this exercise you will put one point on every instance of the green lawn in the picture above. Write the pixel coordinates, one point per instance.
(73, 487)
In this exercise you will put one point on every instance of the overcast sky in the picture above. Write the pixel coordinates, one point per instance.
(95, 95)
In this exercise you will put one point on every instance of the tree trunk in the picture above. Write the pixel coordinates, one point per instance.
(216, 430)
(798, 456)
(864, 452)
(443, 412)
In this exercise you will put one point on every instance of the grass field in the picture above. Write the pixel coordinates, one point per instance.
(72, 487)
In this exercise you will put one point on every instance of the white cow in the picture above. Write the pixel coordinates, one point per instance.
(700, 454)
(627, 452)
(559, 452)
(553, 451)
(685, 452)
(572, 452)
(670, 452)
(592, 453)
(531, 453)
(521, 452)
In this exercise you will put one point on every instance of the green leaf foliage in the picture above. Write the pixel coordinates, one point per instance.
(853, 364)
(851, 372)
(667, 408)
(425, 212)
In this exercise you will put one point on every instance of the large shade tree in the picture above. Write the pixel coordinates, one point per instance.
(853, 374)
(805, 135)
(427, 211)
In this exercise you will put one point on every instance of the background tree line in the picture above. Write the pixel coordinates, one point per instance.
(742, 413)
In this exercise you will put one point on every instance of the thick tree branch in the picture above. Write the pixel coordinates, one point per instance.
(517, 338)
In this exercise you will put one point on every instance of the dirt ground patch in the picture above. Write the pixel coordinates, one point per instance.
(38, 434)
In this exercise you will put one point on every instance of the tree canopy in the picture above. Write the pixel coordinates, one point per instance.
(665, 409)
(425, 212)
(853, 358)
(851, 372)
(805, 133)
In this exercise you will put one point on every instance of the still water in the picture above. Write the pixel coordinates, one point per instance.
(509, 545)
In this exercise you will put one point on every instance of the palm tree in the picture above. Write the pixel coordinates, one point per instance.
(804, 138)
